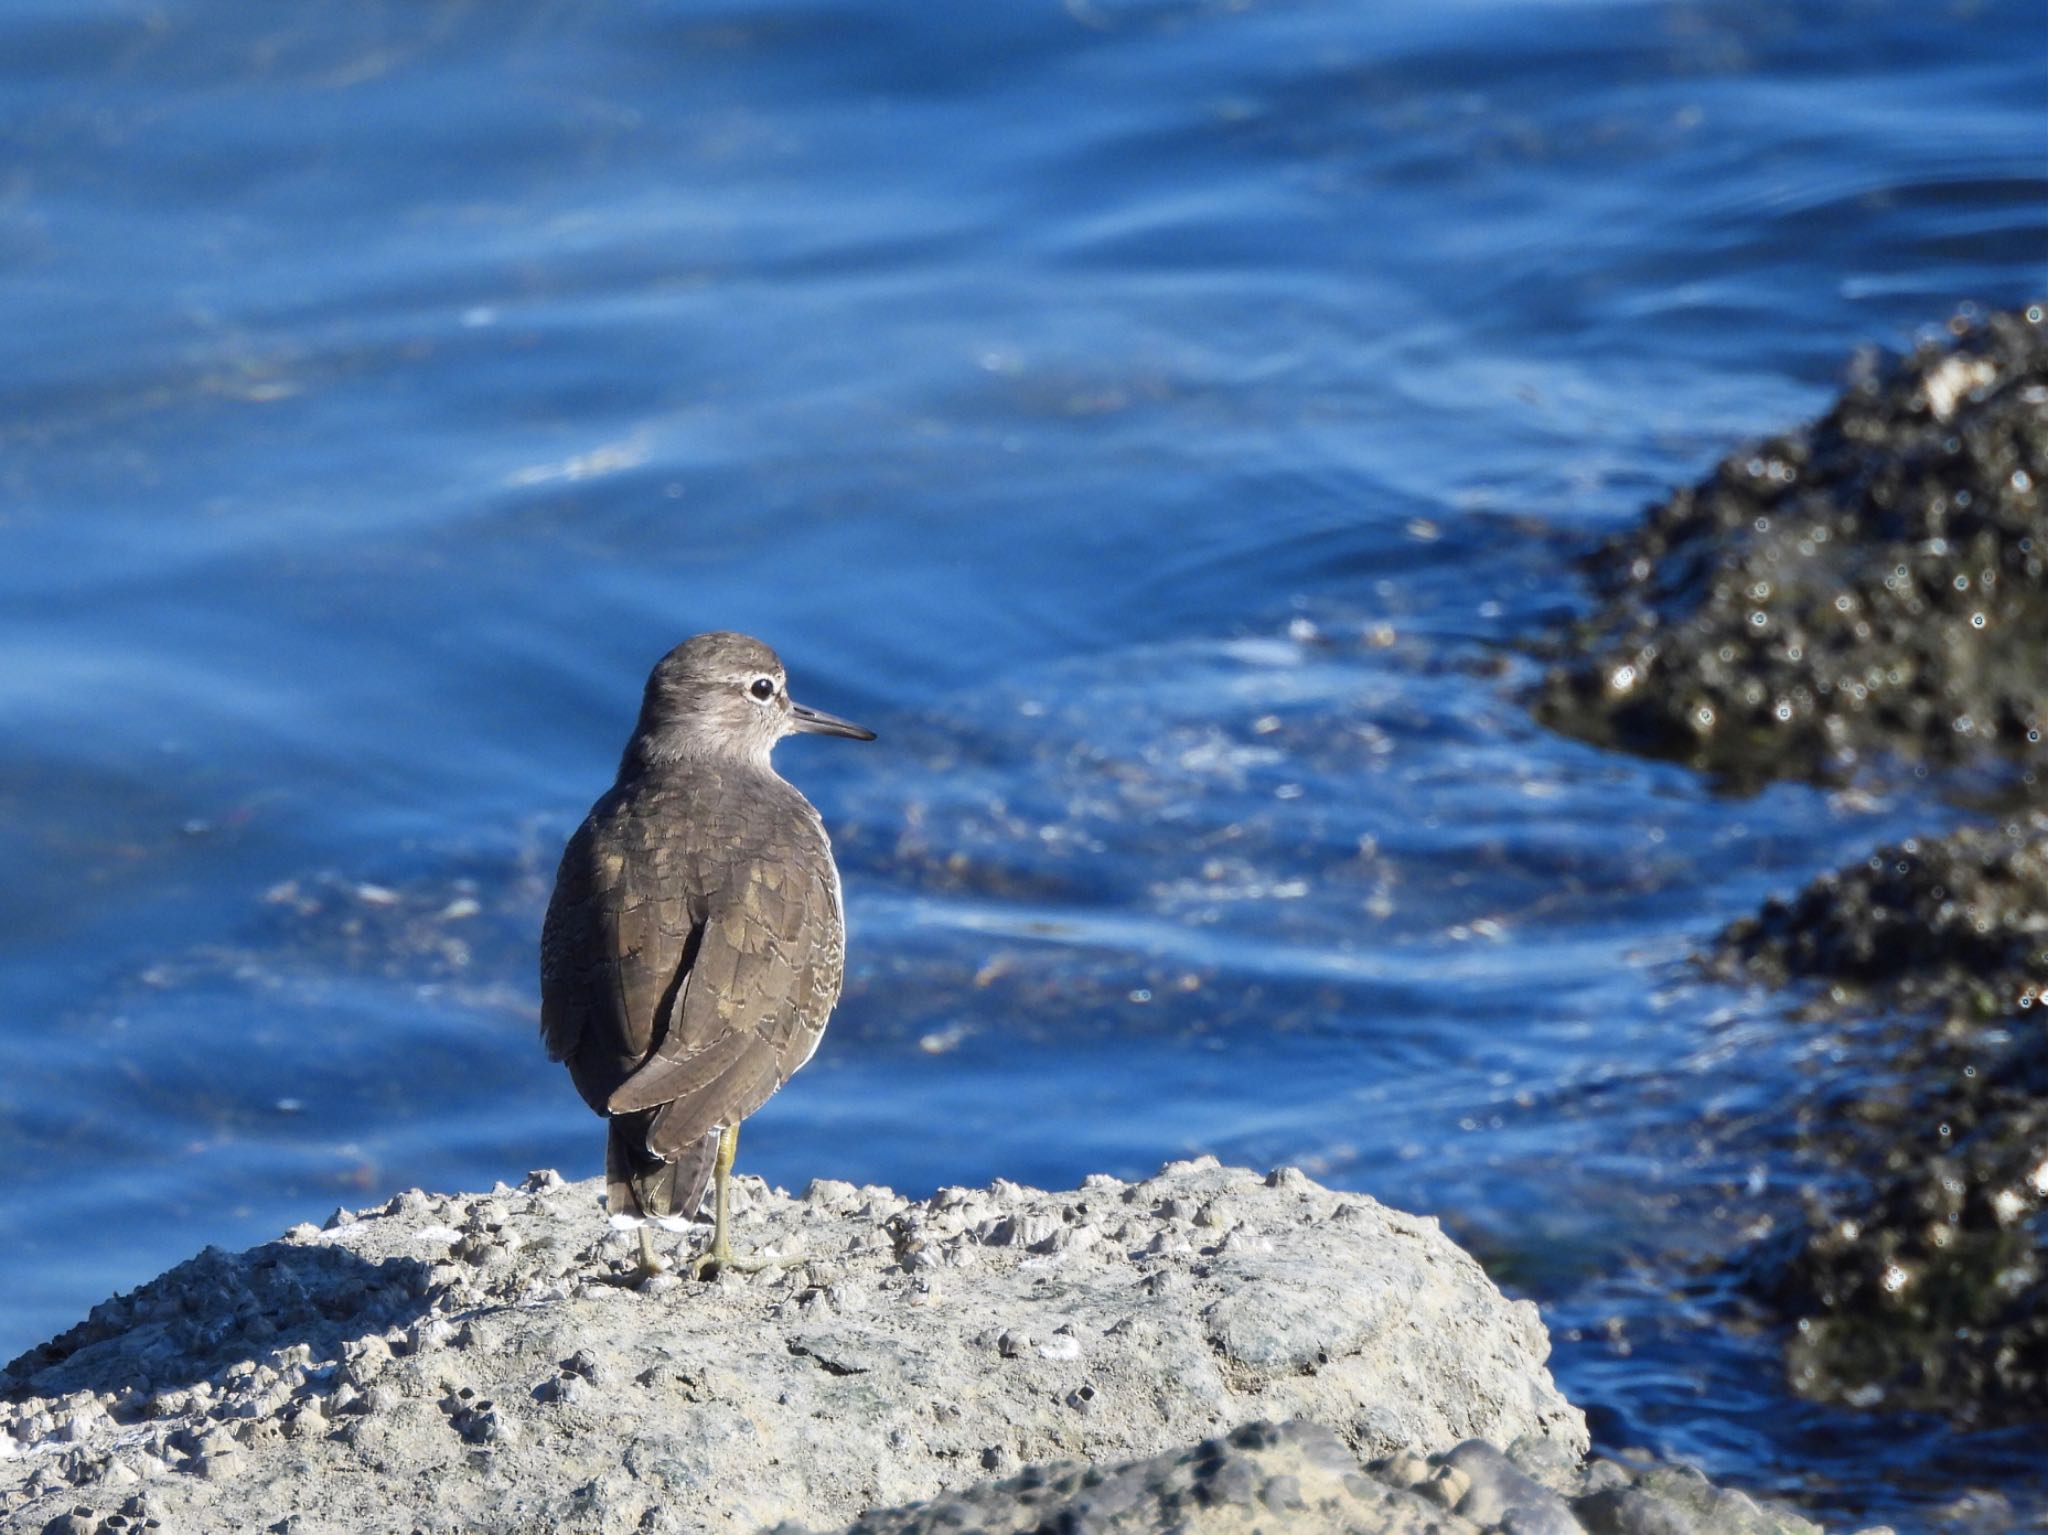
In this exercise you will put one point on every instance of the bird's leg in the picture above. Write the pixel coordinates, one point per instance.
(719, 1254)
(650, 1261)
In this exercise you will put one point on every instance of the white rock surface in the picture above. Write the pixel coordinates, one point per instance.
(478, 1363)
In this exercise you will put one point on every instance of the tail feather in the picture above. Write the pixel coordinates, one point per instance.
(638, 1184)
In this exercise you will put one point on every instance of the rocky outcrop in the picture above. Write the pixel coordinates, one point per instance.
(1955, 924)
(1923, 1282)
(1872, 582)
(1875, 585)
(482, 1363)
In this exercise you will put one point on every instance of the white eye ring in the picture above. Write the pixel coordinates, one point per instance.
(763, 688)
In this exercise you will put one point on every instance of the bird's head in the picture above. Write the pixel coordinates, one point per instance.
(724, 696)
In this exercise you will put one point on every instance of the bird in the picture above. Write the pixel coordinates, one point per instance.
(695, 944)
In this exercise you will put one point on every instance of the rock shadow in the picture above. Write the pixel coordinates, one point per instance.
(219, 1308)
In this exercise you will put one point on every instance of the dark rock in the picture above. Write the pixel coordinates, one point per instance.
(1629, 1511)
(1315, 1487)
(1958, 923)
(1924, 1282)
(1502, 1495)
(1870, 582)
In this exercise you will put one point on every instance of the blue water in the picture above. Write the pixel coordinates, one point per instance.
(1162, 422)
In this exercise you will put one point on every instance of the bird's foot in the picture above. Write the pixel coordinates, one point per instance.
(709, 1263)
(717, 1258)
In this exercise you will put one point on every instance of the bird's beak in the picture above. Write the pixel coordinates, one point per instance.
(818, 723)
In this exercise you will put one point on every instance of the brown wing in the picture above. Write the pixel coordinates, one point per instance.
(765, 975)
(615, 952)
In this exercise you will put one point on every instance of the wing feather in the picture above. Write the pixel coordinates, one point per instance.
(722, 1054)
(688, 965)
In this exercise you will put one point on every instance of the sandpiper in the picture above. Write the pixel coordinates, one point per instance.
(694, 947)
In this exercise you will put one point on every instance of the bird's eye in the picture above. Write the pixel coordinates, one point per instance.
(763, 688)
